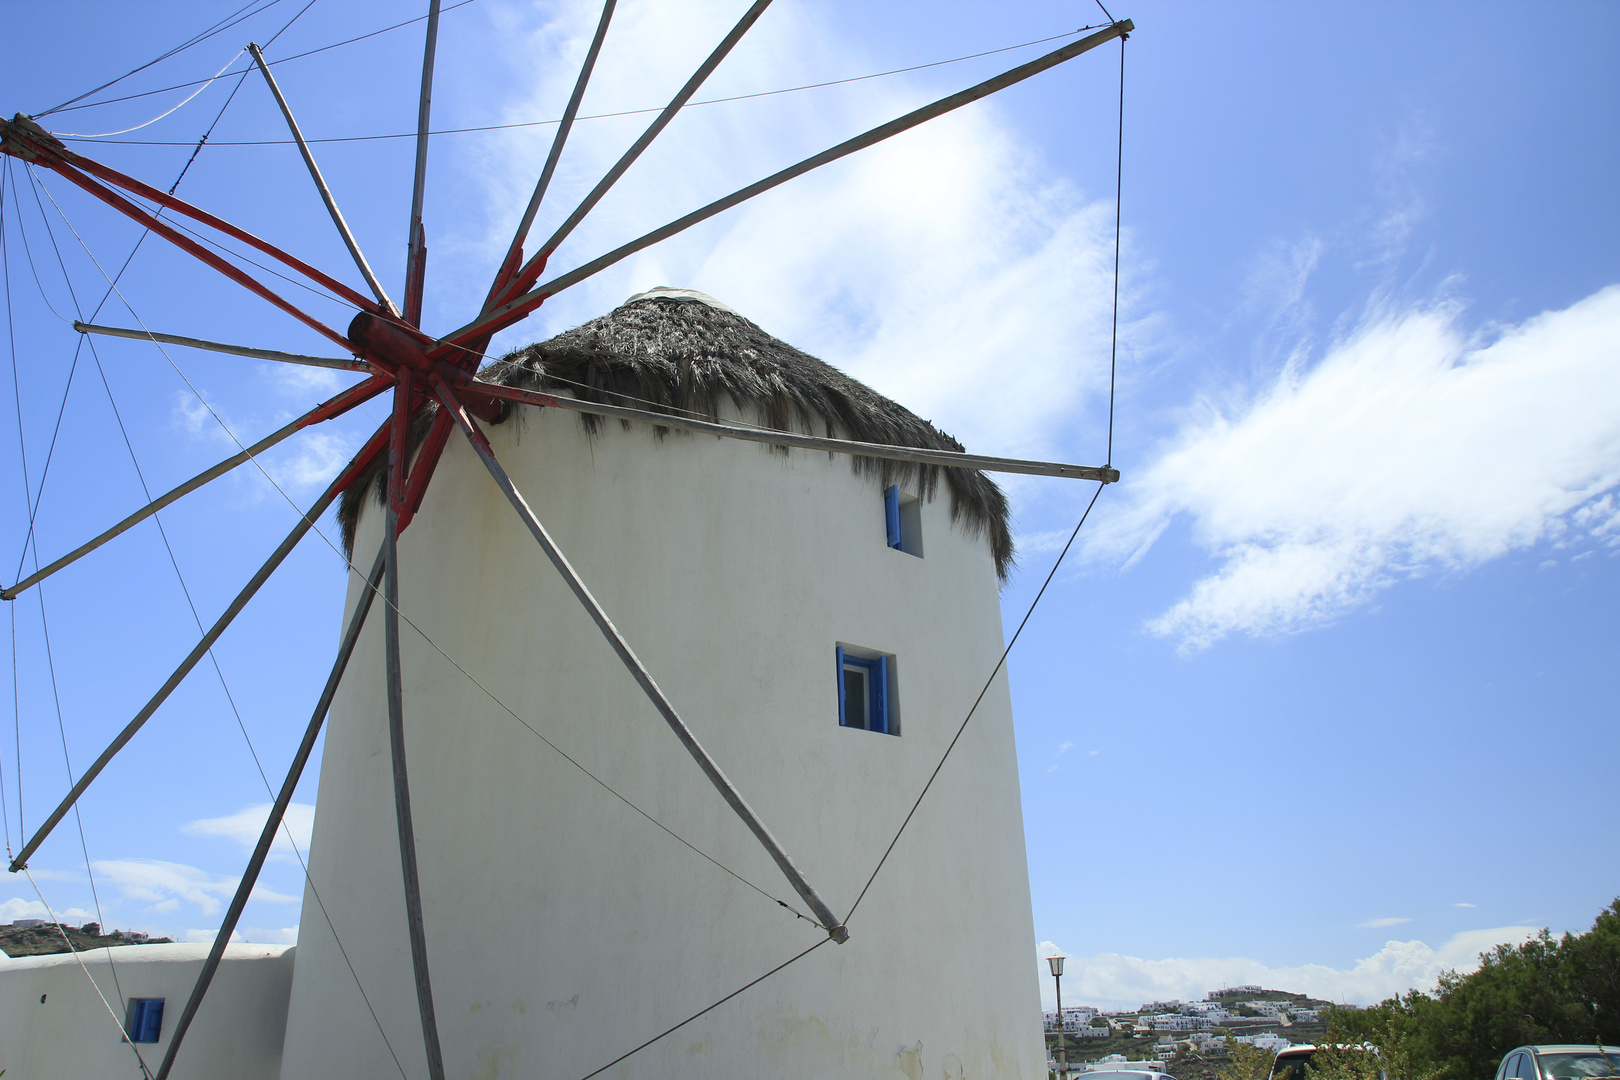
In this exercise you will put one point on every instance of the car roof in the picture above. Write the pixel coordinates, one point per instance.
(1570, 1048)
(1296, 1050)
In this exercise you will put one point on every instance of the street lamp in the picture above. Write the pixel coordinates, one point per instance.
(1056, 964)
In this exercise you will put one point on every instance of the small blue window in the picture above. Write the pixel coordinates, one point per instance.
(866, 692)
(902, 520)
(144, 1022)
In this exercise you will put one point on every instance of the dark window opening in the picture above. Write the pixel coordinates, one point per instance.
(866, 691)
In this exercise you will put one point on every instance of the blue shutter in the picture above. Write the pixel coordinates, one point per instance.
(839, 650)
(146, 1026)
(891, 513)
(880, 694)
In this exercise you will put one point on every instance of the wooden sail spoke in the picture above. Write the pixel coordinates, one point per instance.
(320, 184)
(416, 256)
(402, 800)
(337, 363)
(773, 437)
(676, 104)
(728, 791)
(338, 405)
(278, 811)
(506, 279)
(306, 522)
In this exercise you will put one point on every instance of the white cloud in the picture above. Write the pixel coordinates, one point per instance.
(18, 908)
(164, 885)
(281, 935)
(1111, 980)
(1407, 450)
(245, 825)
(947, 268)
(1464, 904)
(1380, 924)
(320, 456)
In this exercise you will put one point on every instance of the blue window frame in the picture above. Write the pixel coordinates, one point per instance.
(144, 1021)
(902, 520)
(866, 692)
(891, 515)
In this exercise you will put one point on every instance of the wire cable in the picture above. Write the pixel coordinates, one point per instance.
(272, 63)
(974, 708)
(707, 1010)
(22, 449)
(218, 28)
(50, 661)
(183, 101)
(1112, 353)
(69, 943)
(1119, 189)
(628, 112)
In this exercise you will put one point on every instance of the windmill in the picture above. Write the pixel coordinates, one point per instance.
(440, 397)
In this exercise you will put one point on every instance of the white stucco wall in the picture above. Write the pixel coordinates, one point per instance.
(53, 1026)
(563, 928)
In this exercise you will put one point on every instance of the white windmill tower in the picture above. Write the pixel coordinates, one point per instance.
(822, 625)
(561, 821)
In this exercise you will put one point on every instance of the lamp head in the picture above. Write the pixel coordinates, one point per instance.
(1056, 964)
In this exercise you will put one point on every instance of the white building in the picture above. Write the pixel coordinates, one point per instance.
(1246, 988)
(564, 927)
(1075, 1020)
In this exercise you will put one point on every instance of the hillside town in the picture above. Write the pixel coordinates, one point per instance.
(1183, 1034)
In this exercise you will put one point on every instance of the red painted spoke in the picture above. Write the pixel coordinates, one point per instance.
(180, 206)
(191, 247)
(427, 459)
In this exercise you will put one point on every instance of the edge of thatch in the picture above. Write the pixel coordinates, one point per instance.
(681, 352)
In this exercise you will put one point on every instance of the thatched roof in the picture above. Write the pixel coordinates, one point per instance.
(674, 350)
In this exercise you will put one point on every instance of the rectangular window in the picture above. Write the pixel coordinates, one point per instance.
(143, 1023)
(902, 519)
(866, 691)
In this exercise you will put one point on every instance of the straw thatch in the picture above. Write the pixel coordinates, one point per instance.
(674, 350)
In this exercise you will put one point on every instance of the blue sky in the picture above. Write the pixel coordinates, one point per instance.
(1324, 697)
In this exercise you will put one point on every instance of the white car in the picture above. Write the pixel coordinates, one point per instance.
(1559, 1061)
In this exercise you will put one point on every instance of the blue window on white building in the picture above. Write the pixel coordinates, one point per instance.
(143, 1023)
(902, 519)
(866, 691)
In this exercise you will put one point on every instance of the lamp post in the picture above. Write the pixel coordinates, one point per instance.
(1056, 964)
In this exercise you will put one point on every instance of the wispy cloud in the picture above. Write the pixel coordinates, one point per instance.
(281, 935)
(1386, 921)
(246, 824)
(1409, 449)
(1463, 904)
(948, 269)
(164, 886)
(1112, 980)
